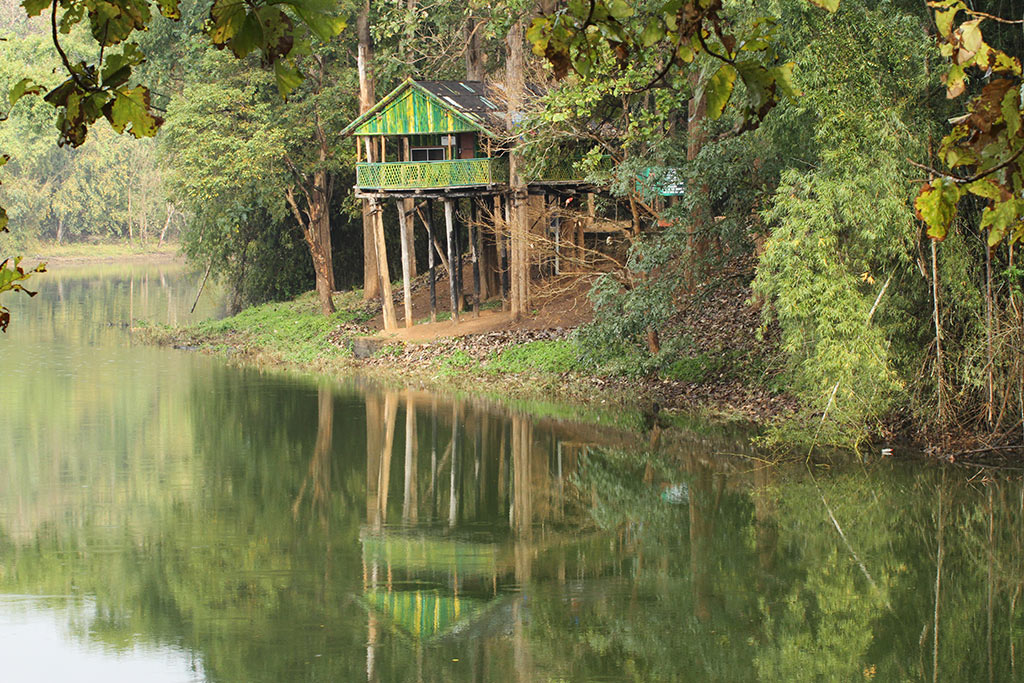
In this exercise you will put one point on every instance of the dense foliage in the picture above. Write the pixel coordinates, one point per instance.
(800, 136)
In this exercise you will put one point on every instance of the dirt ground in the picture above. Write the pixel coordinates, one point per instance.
(558, 302)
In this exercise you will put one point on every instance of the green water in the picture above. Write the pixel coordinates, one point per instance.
(165, 516)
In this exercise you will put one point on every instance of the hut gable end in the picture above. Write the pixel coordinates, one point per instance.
(425, 108)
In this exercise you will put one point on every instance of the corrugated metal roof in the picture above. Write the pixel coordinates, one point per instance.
(467, 96)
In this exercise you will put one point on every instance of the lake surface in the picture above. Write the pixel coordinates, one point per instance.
(165, 516)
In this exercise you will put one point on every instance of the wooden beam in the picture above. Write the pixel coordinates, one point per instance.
(387, 305)
(406, 270)
(452, 258)
(430, 232)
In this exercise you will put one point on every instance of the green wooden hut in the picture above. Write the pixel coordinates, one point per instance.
(431, 135)
(447, 140)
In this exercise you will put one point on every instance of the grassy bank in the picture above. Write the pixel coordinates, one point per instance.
(53, 253)
(541, 367)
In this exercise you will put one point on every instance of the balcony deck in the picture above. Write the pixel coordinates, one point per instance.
(432, 175)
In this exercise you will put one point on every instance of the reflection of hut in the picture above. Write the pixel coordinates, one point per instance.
(428, 586)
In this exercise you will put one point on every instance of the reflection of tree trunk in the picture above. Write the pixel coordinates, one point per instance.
(938, 586)
(374, 432)
(766, 527)
(409, 502)
(702, 499)
(991, 581)
(522, 517)
(522, 491)
(320, 463)
(384, 476)
(453, 494)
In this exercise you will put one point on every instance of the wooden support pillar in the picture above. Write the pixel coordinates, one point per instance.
(486, 261)
(458, 265)
(432, 277)
(506, 255)
(474, 248)
(403, 221)
(388, 306)
(449, 210)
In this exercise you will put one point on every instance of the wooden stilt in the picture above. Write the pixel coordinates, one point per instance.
(432, 277)
(404, 231)
(452, 258)
(458, 262)
(505, 255)
(388, 306)
(474, 248)
(556, 226)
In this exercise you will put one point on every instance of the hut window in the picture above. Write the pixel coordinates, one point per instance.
(427, 153)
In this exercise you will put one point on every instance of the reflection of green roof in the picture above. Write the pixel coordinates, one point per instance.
(423, 553)
(423, 613)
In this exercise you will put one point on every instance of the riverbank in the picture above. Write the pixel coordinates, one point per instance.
(723, 372)
(80, 253)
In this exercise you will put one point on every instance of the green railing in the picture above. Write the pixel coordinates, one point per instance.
(421, 175)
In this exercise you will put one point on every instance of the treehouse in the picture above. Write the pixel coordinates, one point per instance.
(448, 140)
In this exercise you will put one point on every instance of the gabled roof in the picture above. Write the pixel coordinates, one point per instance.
(433, 107)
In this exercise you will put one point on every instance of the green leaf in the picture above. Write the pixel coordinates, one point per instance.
(226, 19)
(719, 90)
(323, 24)
(985, 188)
(998, 219)
(286, 77)
(783, 75)
(23, 87)
(248, 37)
(35, 7)
(653, 32)
(830, 5)
(944, 20)
(970, 35)
(169, 9)
(620, 9)
(1010, 107)
(936, 205)
(129, 110)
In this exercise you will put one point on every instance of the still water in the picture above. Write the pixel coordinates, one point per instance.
(165, 516)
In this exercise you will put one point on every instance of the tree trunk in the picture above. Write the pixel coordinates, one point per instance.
(387, 303)
(167, 222)
(695, 138)
(371, 278)
(474, 54)
(518, 260)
